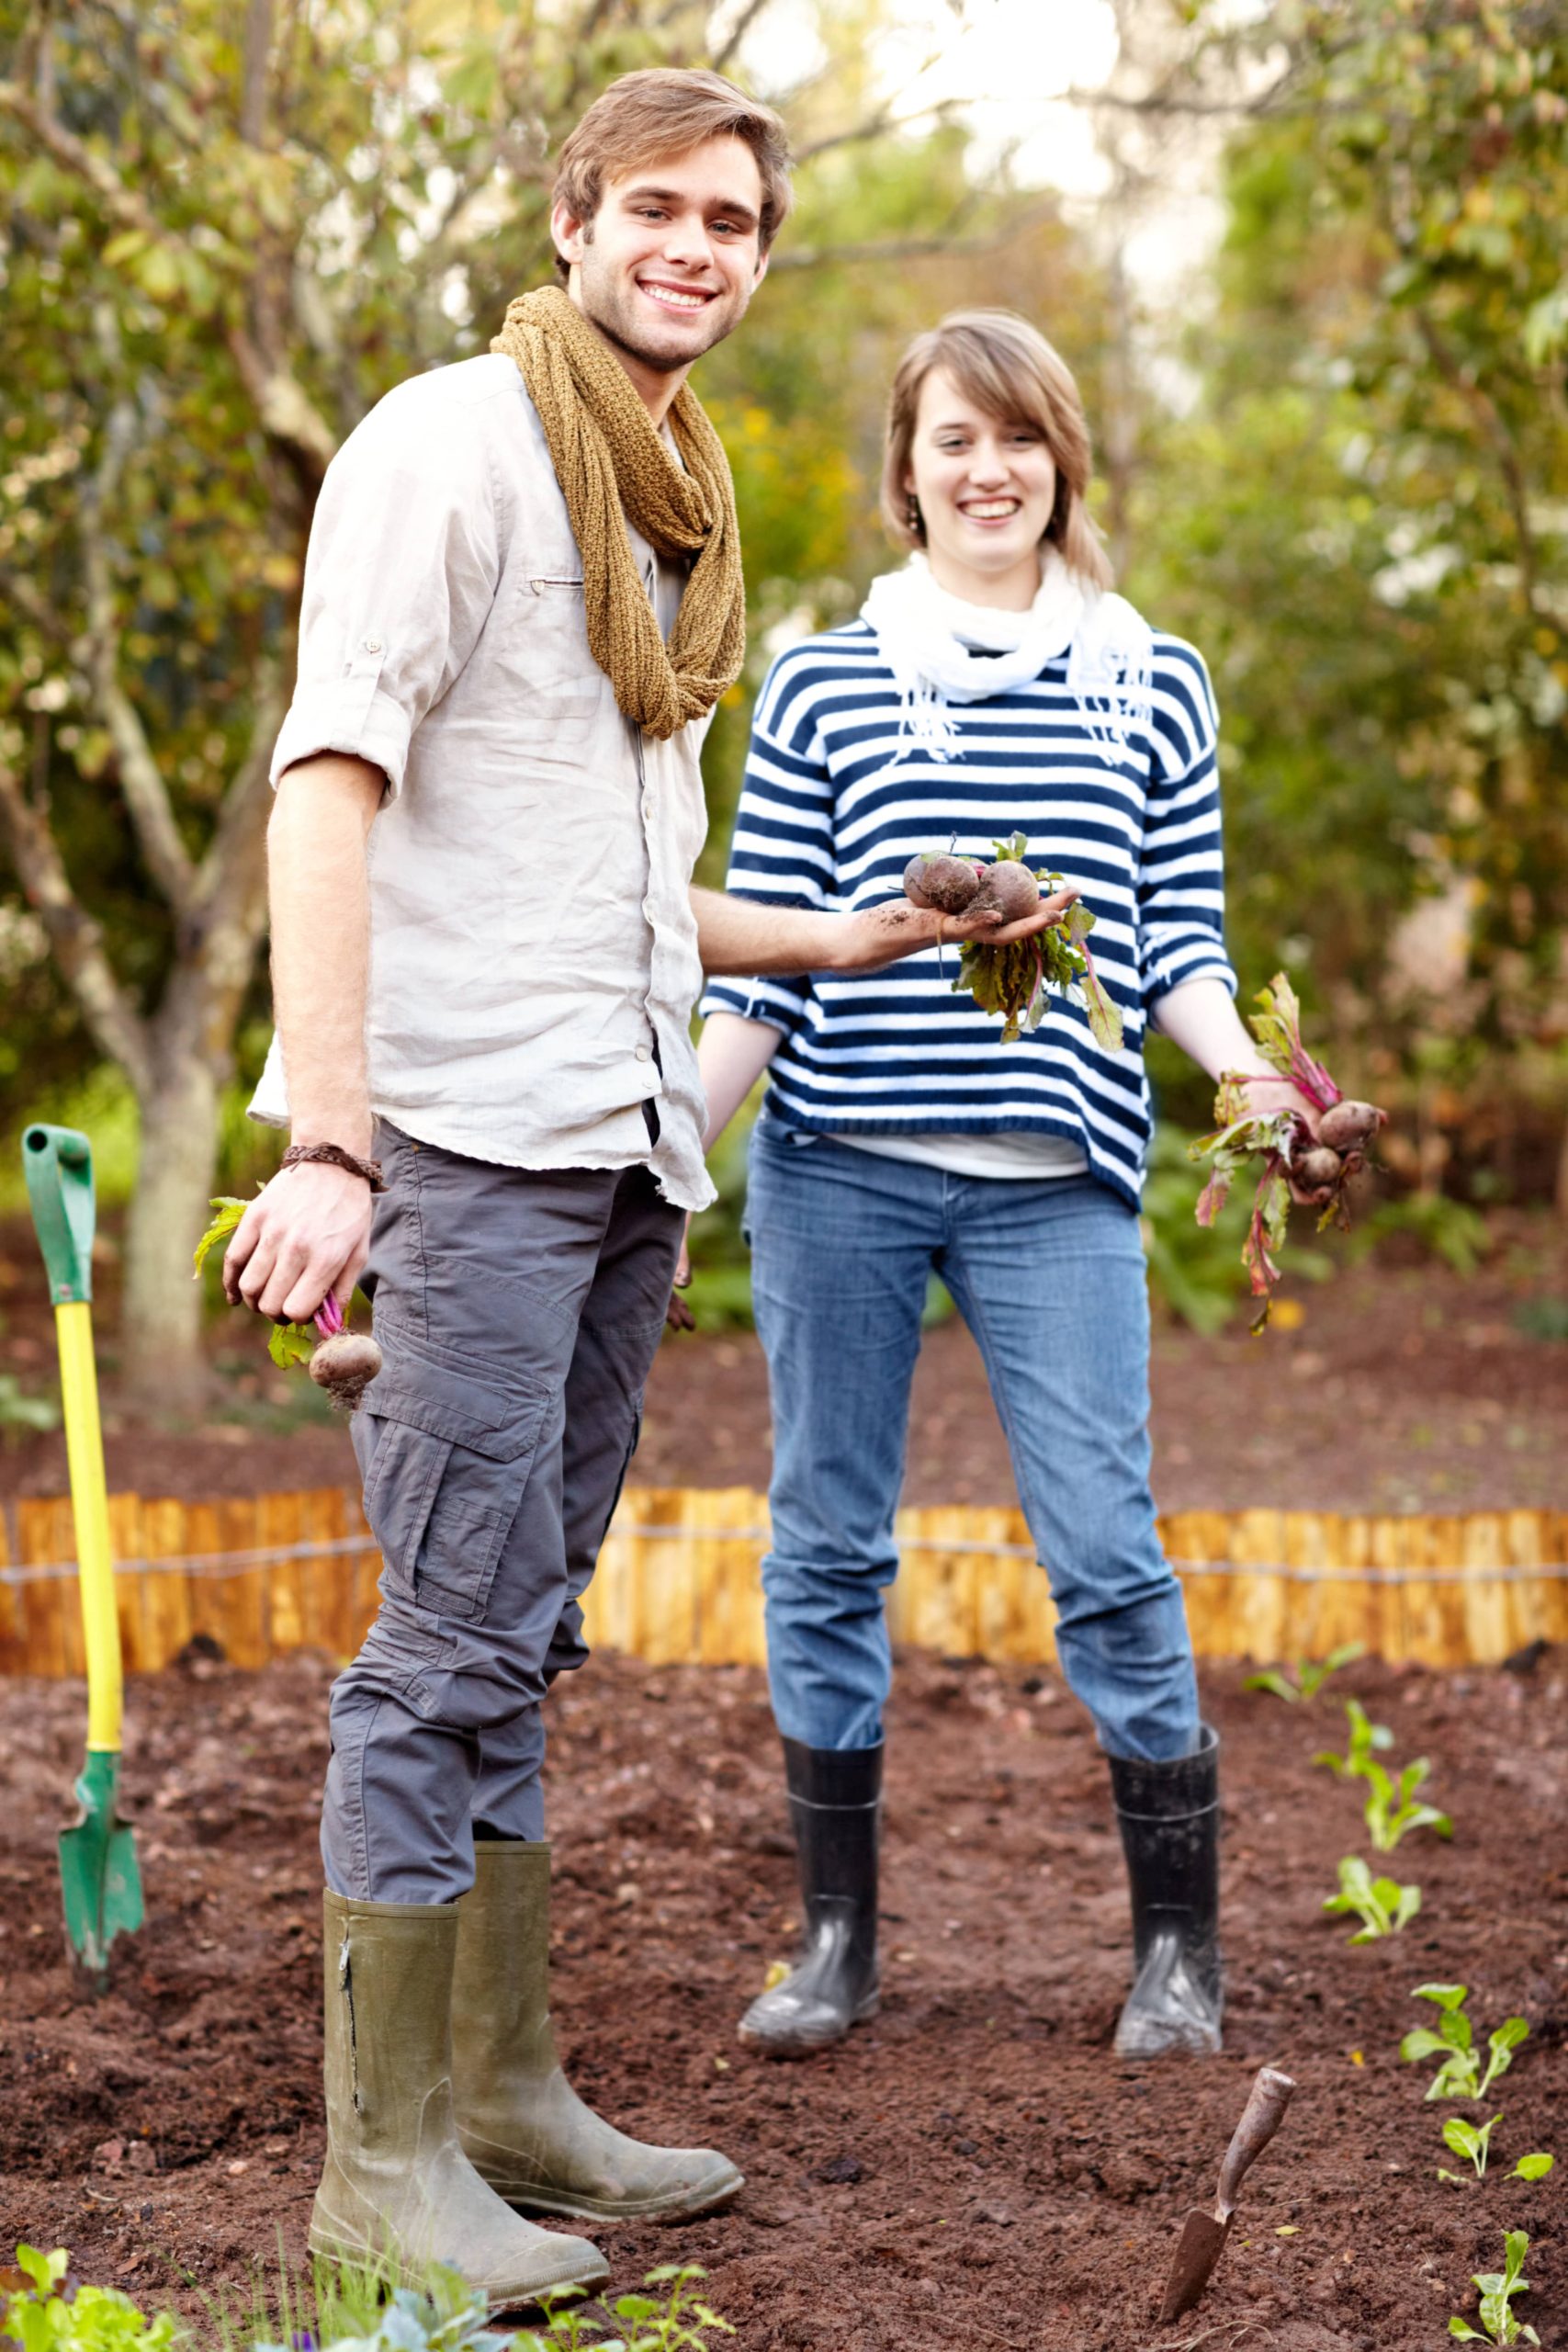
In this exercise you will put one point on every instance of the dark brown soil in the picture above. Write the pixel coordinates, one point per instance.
(974, 2168)
(1403, 1387)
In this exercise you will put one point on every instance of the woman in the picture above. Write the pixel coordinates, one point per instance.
(992, 686)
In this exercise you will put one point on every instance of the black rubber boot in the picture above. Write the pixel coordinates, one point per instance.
(1169, 1818)
(835, 1806)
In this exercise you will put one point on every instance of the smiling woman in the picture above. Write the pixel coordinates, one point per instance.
(992, 687)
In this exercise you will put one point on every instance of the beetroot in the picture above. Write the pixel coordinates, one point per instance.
(944, 885)
(343, 1363)
(1319, 1169)
(345, 1366)
(1350, 1127)
(1007, 888)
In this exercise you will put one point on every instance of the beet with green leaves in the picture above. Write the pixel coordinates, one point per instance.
(1318, 1165)
(1015, 980)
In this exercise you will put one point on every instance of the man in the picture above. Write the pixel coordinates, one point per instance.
(522, 599)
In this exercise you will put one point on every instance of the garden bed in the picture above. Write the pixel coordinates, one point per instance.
(974, 2168)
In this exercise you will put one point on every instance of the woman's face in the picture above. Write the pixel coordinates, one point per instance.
(986, 486)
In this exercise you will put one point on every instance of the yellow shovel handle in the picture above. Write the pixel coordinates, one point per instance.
(89, 1506)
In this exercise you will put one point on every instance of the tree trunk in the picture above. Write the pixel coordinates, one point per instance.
(161, 1326)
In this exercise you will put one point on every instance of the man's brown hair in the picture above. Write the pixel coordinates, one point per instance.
(665, 110)
(1007, 367)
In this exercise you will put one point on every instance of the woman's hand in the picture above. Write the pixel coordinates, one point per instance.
(1265, 1095)
(865, 943)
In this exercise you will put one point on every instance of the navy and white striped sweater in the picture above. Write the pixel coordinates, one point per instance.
(834, 805)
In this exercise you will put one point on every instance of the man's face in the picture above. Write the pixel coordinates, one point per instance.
(669, 262)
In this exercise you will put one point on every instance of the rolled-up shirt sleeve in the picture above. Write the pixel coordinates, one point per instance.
(1181, 894)
(404, 565)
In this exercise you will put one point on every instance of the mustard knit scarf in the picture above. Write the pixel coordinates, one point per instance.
(609, 461)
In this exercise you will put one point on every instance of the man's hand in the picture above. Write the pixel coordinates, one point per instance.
(309, 1233)
(678, 1314)
(864, 942)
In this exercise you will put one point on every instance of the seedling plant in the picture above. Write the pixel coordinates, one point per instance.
(1453, 2041)
(1311, 1675)
(1382, 1905)
(1473, 2141)
(1498, 2288)
(1392, 1808)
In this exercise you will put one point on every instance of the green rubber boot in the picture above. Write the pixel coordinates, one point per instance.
(397, 2187)
(522, 2126)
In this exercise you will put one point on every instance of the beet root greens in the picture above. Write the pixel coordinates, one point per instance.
(1014, 981)
(1319, 1166)
(341, 1361)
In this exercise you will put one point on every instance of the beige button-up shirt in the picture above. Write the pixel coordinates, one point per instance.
(533, 953)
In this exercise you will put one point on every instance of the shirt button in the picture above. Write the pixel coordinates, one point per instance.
(645, 1053)
(648, 909)
(648, 803)
(373, 645)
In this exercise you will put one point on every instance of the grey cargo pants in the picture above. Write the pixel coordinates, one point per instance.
(518, 1312)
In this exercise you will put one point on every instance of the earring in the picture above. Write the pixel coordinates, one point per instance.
(913, 517)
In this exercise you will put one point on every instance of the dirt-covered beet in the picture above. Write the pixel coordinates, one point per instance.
(1318, 1169)
(1007, 888)
(973, 2169)
(344, 1365)
(944, 885)
(1350, 1127)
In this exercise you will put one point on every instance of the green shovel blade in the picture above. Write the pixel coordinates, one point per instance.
(97, 1867)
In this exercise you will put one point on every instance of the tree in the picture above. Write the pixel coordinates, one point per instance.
(226, 233)
(1360, 519)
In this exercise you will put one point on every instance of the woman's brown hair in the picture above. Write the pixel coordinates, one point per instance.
(1007, 367)
(667, 110)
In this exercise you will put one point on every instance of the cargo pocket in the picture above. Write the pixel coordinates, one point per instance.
(448, 1455)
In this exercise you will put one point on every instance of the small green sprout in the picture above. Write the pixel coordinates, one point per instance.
(1497, 2290)
(1459, 2075)
(1382, 1905)
(1311, 1674)
(1535, 2167)
(1470, 2139)
(1365, 1735)
(1392, 1808)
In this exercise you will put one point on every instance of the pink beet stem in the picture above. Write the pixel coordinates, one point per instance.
(328, 1318)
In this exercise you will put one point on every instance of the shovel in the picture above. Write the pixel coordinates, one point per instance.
(98, 1876)
(1203, 2234)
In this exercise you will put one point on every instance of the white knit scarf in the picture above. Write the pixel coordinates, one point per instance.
(929, 640)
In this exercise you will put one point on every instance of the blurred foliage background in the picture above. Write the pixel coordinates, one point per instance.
(1333, 452)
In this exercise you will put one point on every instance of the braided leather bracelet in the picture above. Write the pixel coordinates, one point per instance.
(335, 1156)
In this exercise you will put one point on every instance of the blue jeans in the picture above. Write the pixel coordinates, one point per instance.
(1050, 1279)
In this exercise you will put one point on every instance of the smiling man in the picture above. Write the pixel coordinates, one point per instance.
(523, 597)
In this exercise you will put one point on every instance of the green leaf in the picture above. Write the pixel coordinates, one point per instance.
(1274, 1683)
(291, 1343)
(230, 1212)
(1421, 2043)
(1458, 2327)
(1534, 2166)
(1447, 1996)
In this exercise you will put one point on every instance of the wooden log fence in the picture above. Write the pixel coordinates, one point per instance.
(678, 1581)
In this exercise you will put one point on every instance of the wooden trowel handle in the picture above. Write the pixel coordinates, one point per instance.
(1260, 2119)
